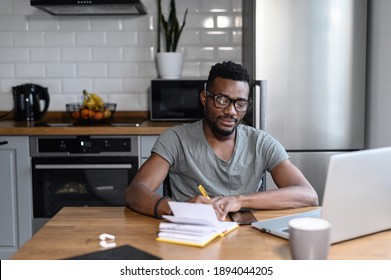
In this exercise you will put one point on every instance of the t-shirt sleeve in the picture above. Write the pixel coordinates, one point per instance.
(275, 153)
(166, 145)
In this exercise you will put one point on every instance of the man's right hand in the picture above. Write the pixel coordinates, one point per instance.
(204, 200)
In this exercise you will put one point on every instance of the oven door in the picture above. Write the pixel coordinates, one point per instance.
(79, 181)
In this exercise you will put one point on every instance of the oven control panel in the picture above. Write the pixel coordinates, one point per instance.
(76, 145)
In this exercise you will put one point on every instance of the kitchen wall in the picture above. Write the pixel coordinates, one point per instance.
(111, 55)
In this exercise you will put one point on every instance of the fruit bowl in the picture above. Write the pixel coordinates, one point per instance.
(90, 115)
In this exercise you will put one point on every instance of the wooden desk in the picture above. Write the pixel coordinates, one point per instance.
(75, 230)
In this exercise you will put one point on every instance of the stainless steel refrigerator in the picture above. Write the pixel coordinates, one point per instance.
(307, 58)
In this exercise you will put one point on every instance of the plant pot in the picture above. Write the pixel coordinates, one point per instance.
(169, 64)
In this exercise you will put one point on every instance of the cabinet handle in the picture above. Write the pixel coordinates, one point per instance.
(3, 142)
(83, 166)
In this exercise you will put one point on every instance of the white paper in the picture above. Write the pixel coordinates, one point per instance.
(195, 211)
(198, 214)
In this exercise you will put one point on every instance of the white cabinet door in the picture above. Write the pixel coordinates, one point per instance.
(15, 194)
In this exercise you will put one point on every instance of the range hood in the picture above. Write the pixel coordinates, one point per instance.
(90, 7)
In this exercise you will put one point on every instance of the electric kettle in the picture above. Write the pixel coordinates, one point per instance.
(27, 102)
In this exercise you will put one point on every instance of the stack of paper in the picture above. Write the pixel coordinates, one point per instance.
(193, 224)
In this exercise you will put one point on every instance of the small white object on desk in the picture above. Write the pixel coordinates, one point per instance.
(103, 243)
(105, 236)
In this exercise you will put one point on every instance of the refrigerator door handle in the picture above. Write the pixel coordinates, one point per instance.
(260, 104)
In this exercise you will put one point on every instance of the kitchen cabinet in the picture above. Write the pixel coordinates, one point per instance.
(146, 144)
(15, 194)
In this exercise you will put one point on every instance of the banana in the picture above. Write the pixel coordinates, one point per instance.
(92, 101)
(98, 100)
(87, 99)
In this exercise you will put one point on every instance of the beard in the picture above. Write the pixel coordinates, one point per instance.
(220, 130)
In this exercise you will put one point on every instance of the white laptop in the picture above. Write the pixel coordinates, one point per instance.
(357, 197)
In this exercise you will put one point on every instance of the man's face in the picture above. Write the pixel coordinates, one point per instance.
(224, 121)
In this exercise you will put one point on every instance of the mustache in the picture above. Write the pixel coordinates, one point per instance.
(229, 118)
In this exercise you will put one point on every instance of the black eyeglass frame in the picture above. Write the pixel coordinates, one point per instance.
(218, 105)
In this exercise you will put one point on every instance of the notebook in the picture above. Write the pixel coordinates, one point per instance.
(357, 197)
(193, 224)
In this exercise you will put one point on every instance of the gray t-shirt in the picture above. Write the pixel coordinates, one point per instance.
(194, 162)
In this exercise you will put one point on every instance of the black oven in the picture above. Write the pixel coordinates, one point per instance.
(80, 171)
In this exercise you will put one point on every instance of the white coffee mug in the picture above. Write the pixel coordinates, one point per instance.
(309, 238)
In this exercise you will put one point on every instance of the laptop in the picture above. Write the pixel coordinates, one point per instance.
(357, 197)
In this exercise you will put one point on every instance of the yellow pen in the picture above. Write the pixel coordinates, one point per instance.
(203, 192)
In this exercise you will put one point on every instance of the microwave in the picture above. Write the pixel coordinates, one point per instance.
(176, 100)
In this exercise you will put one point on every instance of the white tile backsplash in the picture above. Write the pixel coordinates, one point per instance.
(30, 70)
(76, 54)
(58, 101)
(60, 38)
(7, 70)
(91, 38)
(198, 53)
(74, 23)
(215, 38)
(147, 70)
(61, 70)
(137, 54)
(215, 5)
(107, 54)
(122, 38)
(22, 7)
(28, 39)
(92, 70)
(111, 55)
(106, 23)
(13, 23)
(107, 85)
(14, 54)
(49, 55)
(123, 70)
(136, 85)
(54, 85)
(192, 69)
(5, 8)
(237, 38)
(5, 39)
(42, 23)
(76, 86)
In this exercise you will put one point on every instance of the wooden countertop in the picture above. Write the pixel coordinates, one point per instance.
(61, 124)
(75, 230)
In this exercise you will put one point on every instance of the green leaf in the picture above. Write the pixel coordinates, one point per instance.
(170, 28)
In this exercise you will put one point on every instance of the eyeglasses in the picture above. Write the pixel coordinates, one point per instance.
(222, 102)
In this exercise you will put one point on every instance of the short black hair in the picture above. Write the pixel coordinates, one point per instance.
(228, 70)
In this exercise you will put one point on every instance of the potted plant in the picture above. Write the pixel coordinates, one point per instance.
(169, 61)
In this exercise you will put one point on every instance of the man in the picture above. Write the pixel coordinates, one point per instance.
(226, 157)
